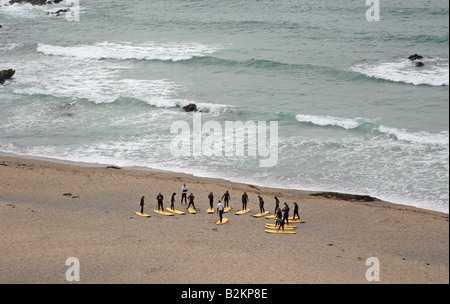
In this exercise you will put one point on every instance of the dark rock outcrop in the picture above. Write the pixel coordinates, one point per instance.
(191, 108)
(346, 197)
(419, 64)
(415, 57)
(35, 2)
(6, 74)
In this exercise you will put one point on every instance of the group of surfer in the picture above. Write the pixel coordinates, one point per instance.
(282, 215)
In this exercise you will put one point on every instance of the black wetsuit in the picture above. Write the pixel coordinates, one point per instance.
(191, 201)
(211, 201)
(160, 199)
(226, 199)
(261, 204)
(142, 205)
(172, 201)
(277, 204)
(296, 212)
(286, 214)
(244, 201)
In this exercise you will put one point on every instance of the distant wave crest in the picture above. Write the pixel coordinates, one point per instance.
(434, 73)
(130, 51)
(365, 125)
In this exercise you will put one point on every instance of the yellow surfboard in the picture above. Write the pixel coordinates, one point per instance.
(243, 211)
(175, 211)
(261, 214)
(281, 231)
(276, 227)
(192, 210)
(271, 216)
(142, 214)
(227, 209)
(296, 221)
(210, 211)
(163, 212)
(224, 221)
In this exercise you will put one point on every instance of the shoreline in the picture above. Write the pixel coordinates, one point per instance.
(381, 202)
(50, 211)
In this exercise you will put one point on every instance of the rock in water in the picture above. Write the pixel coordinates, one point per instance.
(191, 108)
(6, 74)
(415, 57)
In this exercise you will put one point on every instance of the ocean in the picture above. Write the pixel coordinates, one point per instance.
(104, 83)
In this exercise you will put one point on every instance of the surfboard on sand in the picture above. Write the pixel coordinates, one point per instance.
(210, 210)
(224, 221)
(296, 221)
(240, 212)
(192, 210)
(163, 212)
(261, 214)
(227, 209)
(268, 226)
(142, 214)
(281, 231)
(274, 216)
(175, 211)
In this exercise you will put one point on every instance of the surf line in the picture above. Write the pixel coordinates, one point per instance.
(210, 139)
(201, 294)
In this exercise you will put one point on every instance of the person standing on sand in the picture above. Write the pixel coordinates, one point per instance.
(220, 209)
(160, 199)
(211, 200)
(286, 213)
(277, 204)
(184, 191)
(296, 211)
(172, 201)
(261, 204)
(226, 198)
(279, 217)
(281, 223)
(191, 201)
(244, 201)
(142, 204)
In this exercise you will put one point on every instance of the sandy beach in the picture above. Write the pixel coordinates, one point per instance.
(51, 211)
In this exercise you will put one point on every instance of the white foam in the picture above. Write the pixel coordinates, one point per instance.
(10, 46)
(421, 137)
(127, 51)
(434, 73)
(98, 82)
(345, 123)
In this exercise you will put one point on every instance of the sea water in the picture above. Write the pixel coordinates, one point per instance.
(354, 114)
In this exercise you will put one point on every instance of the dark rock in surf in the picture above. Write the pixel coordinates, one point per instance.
(35, 2)
(346, 197)
(6, 74)
(191, 108)
(419, 64)
(415, 57)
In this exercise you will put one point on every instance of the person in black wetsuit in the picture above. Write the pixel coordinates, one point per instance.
(277, 204)
(261, 204)
(279, 218)
(142, 204)
(244, 201)
(226, 198)
(211, 200)
(160, 199)
(296, 211)
(191, 201)
(172, 201)
(286, 213)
